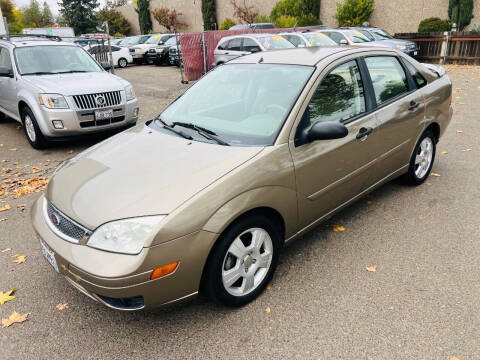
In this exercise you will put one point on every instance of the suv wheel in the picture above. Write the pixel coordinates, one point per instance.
(123, 63)
(242, 262)
(32, 130)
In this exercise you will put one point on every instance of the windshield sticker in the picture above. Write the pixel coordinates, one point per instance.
(277, 38)
(320, 35)
(357, 32)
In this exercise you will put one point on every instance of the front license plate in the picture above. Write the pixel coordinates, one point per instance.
(103, 114)
(415, 53)
(49, 255)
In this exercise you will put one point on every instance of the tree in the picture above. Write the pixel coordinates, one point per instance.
(434, 24)
(8, 8)
(354, 12)
(169, 19)
(117, 24)
(46, 17)
(227, 24)
(209, 14)
(31, 15)
(79, 14)
(243, 12)
(466, 12)
(310, 7)
(144, 19)
(301, 10)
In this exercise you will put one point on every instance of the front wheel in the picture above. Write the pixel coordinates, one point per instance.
(32, 130)
(123, 63)
(422, 159)
(243, 261)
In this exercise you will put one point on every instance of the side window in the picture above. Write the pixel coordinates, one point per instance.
(115, 48)
(367, 34)
(295, 40)
(388, 77)
(340, 95)
(5, 61)
(337, 37)
(235, 44)
(420, 81)
(250, 45)
(223, 45)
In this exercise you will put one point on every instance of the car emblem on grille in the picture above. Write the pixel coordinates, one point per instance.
(55, 219)
(100, 100)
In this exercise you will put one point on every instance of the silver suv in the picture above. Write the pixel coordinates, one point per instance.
(56, 90)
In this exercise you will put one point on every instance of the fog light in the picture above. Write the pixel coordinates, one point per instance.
(135, 112)
(164, 270)
(57, 124)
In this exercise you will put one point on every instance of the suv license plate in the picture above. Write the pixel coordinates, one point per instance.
(49, 255)
(103, 114)
(415, 53)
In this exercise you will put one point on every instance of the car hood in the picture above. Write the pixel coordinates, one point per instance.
(395, 42)
(139, 172)
(77, 83)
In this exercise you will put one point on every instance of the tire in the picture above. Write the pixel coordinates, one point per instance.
(422, 159)
(235, 280)
(32, 130)
(122, 62)
(150, 61)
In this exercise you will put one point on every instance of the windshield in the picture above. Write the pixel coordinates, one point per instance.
(132, 41)
(319, 39)
(381, 34)
(171, 41)
(154, 39)
(356, 36)
(275, 42)
(54, 59)
(244, 104)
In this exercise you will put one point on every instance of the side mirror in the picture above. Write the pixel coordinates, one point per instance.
(106, 66)
(160, 42)
(4, 72)
(343, 42)
(255, 50)
(327, 130)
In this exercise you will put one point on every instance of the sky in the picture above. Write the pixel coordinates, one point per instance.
(52, 3)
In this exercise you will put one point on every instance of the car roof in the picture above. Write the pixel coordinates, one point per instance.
(32, 41)
(308, 56)
(251, 35)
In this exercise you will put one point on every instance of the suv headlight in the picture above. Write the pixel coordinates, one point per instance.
(401, 47)
(129, 93)
(124, 236)
(53, 101)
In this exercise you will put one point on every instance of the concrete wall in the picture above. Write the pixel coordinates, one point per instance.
(392, 15)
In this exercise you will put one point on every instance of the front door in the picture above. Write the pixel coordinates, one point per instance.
(8, 87)
(332, 172)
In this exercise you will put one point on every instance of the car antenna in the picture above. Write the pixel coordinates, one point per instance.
(261, 60)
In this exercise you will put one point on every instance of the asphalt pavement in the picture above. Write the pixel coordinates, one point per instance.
(422, 302)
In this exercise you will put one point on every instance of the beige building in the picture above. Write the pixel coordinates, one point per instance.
(393, 15)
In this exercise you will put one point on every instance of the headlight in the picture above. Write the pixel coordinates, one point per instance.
(53, 101)
(124, 236)
(400, 47)
(130, 93)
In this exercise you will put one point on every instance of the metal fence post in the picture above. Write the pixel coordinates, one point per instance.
(204, 50)
(181, 65)
(444, 49)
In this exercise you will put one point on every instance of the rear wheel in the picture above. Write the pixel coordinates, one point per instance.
(243, 261)
(422, 159)
(32, 130)
(123, 63)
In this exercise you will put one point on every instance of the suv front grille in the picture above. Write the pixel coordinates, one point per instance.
(63, 225)
(173, 51)
(97, 101)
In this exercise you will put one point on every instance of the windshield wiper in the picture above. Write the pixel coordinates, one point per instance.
(169, 127)
(39, 73)
(209, 134)
(72, 71)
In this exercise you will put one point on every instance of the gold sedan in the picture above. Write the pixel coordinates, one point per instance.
(259, 151)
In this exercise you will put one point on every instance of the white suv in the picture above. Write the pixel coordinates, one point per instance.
(56, 90)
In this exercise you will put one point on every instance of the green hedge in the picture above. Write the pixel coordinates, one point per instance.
(434, 24)
(354, 12)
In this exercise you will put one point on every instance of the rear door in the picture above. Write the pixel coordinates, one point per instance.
(233, 48)
(400, 114)
(329, 173)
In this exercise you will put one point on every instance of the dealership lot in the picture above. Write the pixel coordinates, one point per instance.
(421, 302)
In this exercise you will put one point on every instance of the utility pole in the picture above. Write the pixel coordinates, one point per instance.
(107, 30)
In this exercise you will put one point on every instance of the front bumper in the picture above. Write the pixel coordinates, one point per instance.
(122, 281)
(157, 57)
(81, 122)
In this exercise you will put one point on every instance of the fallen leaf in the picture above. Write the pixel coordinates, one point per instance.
(4, 297)
(5, 208)
(14, 318)
(461, 103)
(267, 310)
(454, 358)
(1, 145)
(62, 306)
(337, 228)
(435, 174)
(6, 250)
(369, 202)
(269, 287)
(21, 207)
(459, 131)
(70, 152)
(467, 150)
(20, 259)
(15, 255)
(371, 268)
(444, 152)
(3, 219)
(35, 169)
(420, 217)
(13, 149)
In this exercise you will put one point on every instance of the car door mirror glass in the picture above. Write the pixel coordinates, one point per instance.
(327, 130)
(343, 42)
(255, 49)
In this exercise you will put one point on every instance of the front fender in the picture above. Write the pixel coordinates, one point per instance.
(281, 199)
(32, 102)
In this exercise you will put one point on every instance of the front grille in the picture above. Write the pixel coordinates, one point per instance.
(132, 50)
(64, 225)
(151, 51)
(173, 51)
(94, 101)
(411, 46)
(91, 123)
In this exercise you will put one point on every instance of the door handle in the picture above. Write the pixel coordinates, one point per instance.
(227, 53)
(413, 105)
(363, 133)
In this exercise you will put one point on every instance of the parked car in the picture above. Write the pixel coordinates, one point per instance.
(56, 90)
(384, 38)
(175, 55)
(87, 43)
(253, 26)
(116, 42)
(308, 39)
(135, 40)
(160, 54)
(349, 37)
(231, 47)
(258, 152)
(139, 52)
(120, 55)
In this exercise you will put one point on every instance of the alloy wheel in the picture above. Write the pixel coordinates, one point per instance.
(424, 158)
(30, 128)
